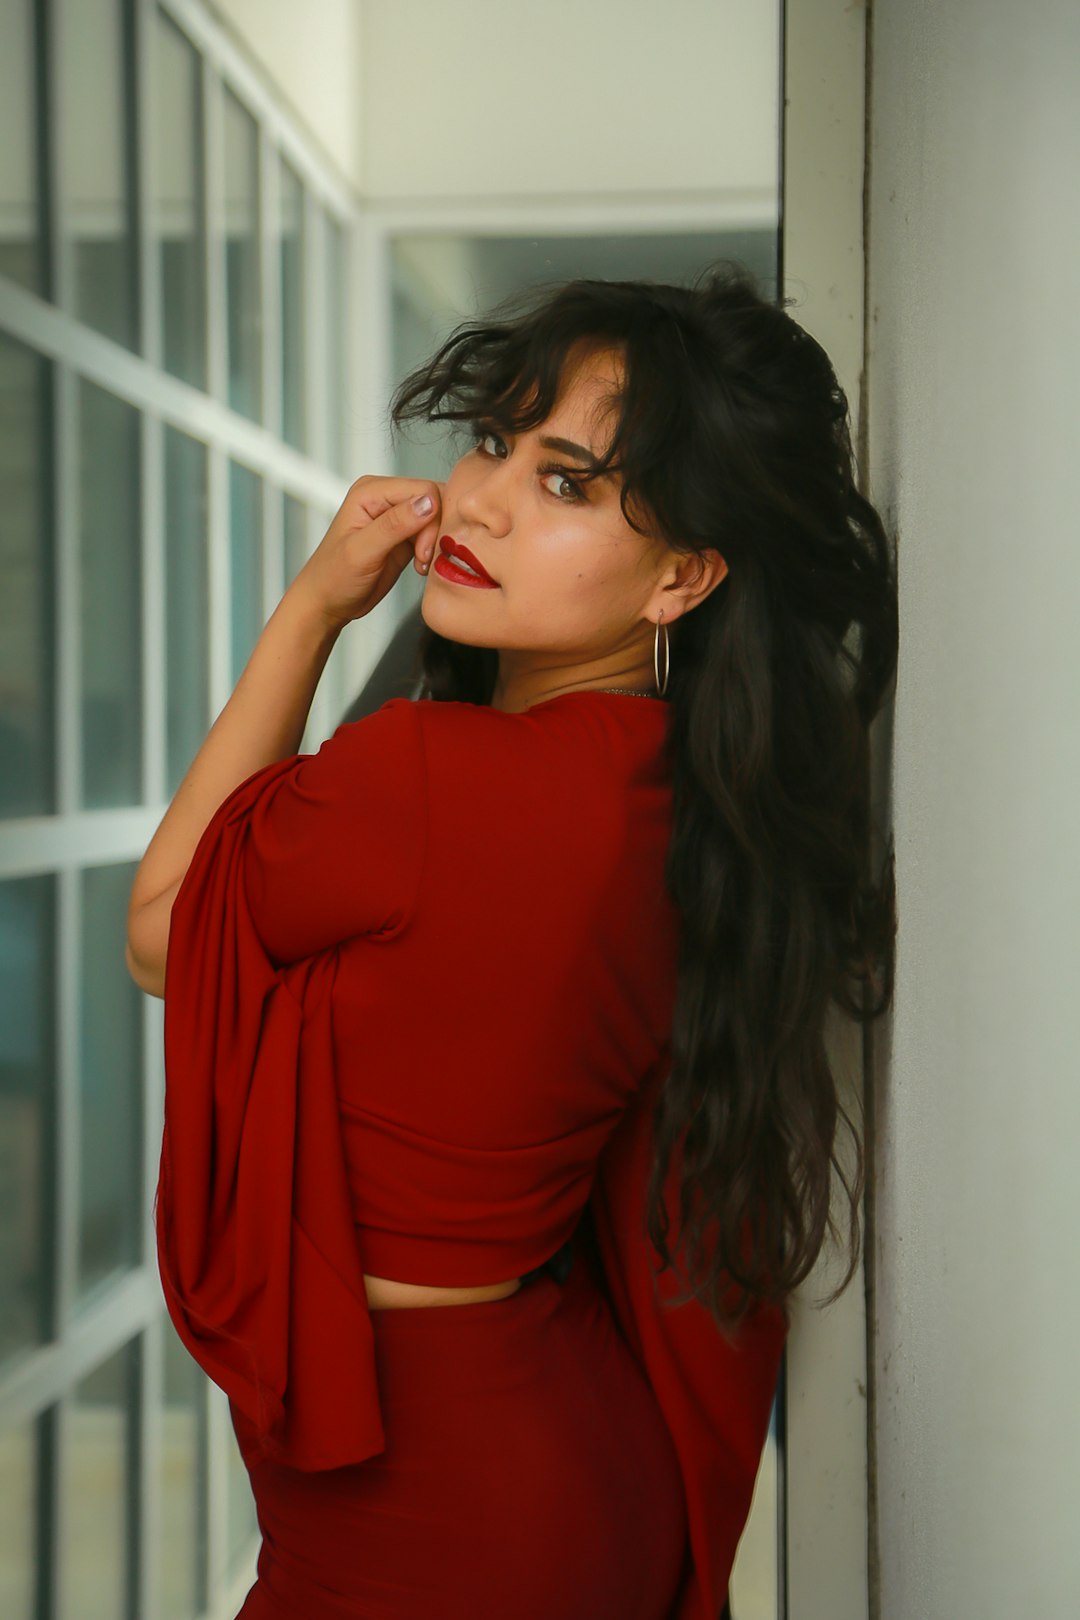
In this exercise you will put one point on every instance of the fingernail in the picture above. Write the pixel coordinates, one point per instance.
(422, 504)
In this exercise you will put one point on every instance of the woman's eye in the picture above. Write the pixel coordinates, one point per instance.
(547, 470)
(556, 472)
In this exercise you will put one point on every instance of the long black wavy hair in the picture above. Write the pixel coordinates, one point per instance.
(732, 433)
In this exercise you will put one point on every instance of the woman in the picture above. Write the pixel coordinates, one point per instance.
(533, 969)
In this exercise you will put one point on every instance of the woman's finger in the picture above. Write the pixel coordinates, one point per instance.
(375, 496)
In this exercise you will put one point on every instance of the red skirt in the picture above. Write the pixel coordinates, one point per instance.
(528, 1472)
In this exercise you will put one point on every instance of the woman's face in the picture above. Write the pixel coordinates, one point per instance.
(578, 591)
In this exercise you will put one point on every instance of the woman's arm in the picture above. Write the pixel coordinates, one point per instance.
(263, 721)
(375, 532)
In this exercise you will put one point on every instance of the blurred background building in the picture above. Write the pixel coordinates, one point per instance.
(226, 230)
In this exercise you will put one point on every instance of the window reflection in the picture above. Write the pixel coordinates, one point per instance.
(241, 1521)
(187, 629)
(177, 203)
(97, 166)
(20, 1476)
(295, 524)
(22, 257)
(110, 1084)
(27, 748)
(110, 603)
(242, 289)
(99, 1498)
(337, 347)
(246, 565)
(27, 1109)
(293, 359)
(182, 1569)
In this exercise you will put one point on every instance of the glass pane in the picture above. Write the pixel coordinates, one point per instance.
(187, 651)
(246, 566)
(27, 743)
(242, 1523)
(295, 528)
(97, 163)
(182, 1452)
(19, 1540)
(110, 607)
(757, 1575)
(177, 204)
(293, 423)
(27, 1110)
(244, 312)
(21, 255)
(337, 330)
(99, 1492)
(110, 1083)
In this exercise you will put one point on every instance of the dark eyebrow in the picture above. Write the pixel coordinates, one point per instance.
(569, 448)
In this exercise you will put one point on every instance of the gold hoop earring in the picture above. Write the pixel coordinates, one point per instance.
(661, 687)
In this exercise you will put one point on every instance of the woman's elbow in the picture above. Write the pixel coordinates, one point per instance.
(148, 942)
(148, 979)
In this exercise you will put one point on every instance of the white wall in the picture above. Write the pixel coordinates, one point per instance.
(426, 99)
(974, 408)
(559, 97)
(313, 50)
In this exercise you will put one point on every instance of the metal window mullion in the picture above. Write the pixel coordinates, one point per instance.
(364, 402)
(68, 1098)
(218, 542)
(153, 1034)
(148, 1447)
(35, 844)
(268, 218)
(117, 1312)
(353, 363)
(68, 882)
(203, 1491)
(316, 329)
(153, 650)
(56, 335)
(55, 117)
(68, 593)
(261, 98)
(152, 1428)
(213, 185)
(49, 1546)
(144, 55)
(64, 1599)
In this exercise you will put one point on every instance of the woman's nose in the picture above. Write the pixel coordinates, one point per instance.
(487, 500)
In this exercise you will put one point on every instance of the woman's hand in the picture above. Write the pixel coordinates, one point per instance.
(374, 533)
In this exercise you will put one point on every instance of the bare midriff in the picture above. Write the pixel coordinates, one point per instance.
(385, 1292)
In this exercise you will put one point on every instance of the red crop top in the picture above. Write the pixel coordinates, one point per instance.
(418, 998)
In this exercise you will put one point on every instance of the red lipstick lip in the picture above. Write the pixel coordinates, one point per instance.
(453, 548)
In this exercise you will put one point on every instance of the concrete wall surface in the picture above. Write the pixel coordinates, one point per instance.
(974, 406)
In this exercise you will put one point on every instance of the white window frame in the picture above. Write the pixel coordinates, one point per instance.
(131, 1308)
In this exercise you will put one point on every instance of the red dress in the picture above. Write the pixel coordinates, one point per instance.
(418, 997)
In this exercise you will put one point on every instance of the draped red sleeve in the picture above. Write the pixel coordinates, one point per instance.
(716, 1397)
(253, 1217)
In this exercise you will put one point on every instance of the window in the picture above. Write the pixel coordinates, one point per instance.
(171, 446)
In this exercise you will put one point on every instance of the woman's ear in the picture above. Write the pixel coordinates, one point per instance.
(696, 574)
